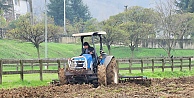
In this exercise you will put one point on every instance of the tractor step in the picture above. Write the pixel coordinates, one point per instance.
(135, 79)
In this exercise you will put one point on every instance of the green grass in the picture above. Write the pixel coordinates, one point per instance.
(30, 80)
(11, 49)
(157, 71)
(25, 50)
(160, 74)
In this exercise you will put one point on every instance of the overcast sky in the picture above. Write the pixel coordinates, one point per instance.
(103, 9)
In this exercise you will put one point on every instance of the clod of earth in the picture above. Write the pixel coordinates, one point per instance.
(161, 88)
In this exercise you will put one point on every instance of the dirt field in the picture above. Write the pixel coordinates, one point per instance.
(160, 88)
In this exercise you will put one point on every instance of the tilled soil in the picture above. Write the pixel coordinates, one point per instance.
(160, 88)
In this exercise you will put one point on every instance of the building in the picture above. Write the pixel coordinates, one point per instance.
(19, 7)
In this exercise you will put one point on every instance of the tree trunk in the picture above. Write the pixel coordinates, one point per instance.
(181, 42)
(132, 48)
(132, 54)
(169, 52)
(136, 45)
(109, 48)
(38, 51)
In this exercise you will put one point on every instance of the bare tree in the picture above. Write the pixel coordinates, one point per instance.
(167, 27)
(172, 26)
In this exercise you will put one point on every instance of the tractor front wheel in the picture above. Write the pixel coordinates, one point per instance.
(62, 77)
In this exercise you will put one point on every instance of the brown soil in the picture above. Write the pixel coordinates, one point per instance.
(160, 88)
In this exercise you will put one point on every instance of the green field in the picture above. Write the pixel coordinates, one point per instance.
(13, 81)
(10, 49)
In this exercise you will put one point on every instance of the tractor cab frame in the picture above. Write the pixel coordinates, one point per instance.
(92, 35)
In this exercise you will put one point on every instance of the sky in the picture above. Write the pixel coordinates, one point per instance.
(103, 9)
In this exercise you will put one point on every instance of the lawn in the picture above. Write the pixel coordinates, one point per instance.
(12, 49)
(13, 81)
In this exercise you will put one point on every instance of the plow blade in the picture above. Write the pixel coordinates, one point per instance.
(135, 79)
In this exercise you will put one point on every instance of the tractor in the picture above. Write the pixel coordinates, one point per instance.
(99, 69)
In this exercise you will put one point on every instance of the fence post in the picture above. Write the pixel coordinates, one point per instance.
(181, 67)
(59, 64)
(172, 66)
(41, 64)
(47, 65)
(152, 65)
(21, 70)
(147, 61)
(32, 66)
(163, 64)
(17, 67)
(130, 64)
(1, 71)
(141, 66)
(190, 63)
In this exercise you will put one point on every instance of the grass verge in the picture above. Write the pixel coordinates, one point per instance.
(30, 80)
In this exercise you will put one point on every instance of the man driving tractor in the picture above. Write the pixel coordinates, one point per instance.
(87, 49)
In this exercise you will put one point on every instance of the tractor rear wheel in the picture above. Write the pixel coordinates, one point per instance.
(112, 72)
(108, 74)
(102, 80)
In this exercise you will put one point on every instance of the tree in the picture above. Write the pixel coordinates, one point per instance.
(184, 26)
(33, 33)
(173, 25)
(77, 27)
(114, 34)
(75, 10)
(4, 7)
(2, 20)
(137, 23)
(185, 5)
(91, 25)
(167, 28)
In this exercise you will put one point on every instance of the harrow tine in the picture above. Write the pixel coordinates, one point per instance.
(135, 79)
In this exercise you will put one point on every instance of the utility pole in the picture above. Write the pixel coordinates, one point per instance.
(126, 6)
(46, 48)
(64, 19)
(31, 13)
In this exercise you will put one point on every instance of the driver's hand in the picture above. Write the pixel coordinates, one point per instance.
(91, 52)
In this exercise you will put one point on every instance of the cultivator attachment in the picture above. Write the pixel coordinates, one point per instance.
(135, 79)
(55, 82)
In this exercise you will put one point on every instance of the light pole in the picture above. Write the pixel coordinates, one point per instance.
(126, 6)
(64, 19)
(46, 48)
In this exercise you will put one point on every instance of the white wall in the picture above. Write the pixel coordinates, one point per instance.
(20, 7)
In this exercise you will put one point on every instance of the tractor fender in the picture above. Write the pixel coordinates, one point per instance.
(107, 60)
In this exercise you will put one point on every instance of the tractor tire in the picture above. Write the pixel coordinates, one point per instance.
(112, 71)
(102, 80)
(62, 77)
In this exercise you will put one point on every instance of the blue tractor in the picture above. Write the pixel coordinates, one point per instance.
(99, 69)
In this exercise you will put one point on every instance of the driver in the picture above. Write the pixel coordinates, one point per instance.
(87, 49)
